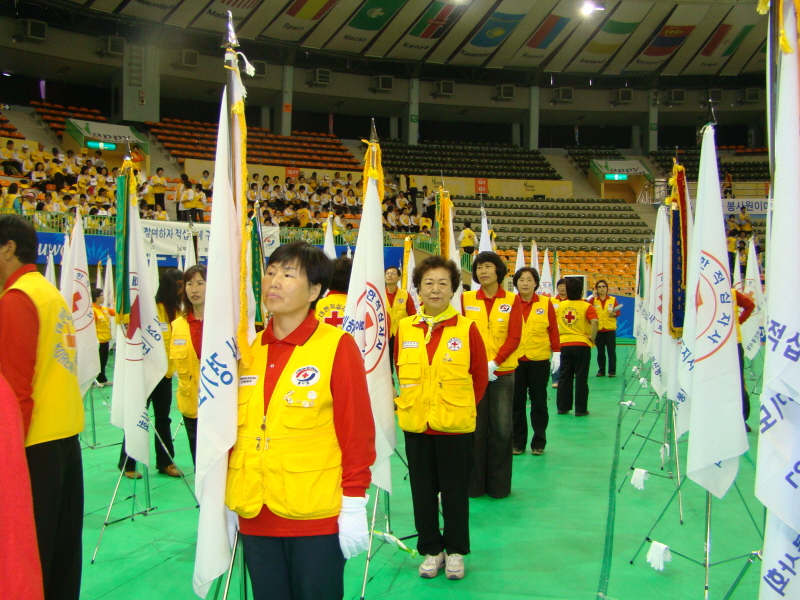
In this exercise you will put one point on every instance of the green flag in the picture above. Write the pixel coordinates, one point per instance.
(375, 14)
(257, 262)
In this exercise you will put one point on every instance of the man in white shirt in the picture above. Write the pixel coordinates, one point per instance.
(99, 163)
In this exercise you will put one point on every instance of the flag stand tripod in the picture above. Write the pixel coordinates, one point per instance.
(148, 508)
(88, 398)
(238, 551)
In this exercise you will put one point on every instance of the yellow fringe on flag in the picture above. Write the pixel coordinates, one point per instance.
(444, 219)
(245, 354)
(786, 48)
(407, 250)
(763, 7)
(373, 167)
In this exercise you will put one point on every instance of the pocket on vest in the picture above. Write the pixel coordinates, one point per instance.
(313, 482)
(300, 415)
(456, 410)
(243, 486)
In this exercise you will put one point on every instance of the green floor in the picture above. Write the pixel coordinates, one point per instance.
(560, 535)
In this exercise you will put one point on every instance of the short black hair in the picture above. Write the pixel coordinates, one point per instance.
(96, 293)
(437, 262)
(599, 281)
(14, 228)
(534, 273)
(467, 225)
(311, 260)
(574, 287)
(561, 281)
(386, 270)
(340, 280)
(490, 257)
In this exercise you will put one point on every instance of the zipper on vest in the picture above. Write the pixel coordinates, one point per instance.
(258, 439)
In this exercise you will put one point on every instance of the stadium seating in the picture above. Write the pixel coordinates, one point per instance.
(499, 161)
(8, 130)
(582, 156)
(55, 115)
(690, 159)
(194, 139)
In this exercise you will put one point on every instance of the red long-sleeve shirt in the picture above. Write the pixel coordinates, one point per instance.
(19, 336)
(617, 306)
(352, 420)
(746, 304)
(514, 326)
(196, 333)
(552, 324)
(478, 363)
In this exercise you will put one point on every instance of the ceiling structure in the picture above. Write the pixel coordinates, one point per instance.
(628, 38)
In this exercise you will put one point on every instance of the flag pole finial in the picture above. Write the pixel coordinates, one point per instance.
(373, 133)
(230, 40)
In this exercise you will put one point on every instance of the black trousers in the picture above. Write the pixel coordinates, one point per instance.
(191, 432)
(745, 395)
(56, 472)
(440, 464)
(295, 568)
(530, 380)
(159, 199)
(491, 471)
(103, 362)
(161, 399)
(575, 362)
(468, 249)
(606, 341)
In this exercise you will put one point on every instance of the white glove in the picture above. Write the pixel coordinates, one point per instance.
(353, 530)
(555, 362)
(233, 525)
(658, 554)
(638, 478)
(492, 369)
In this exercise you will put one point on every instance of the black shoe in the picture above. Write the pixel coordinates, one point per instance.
(612, 374)
(517, 451)
(601, 374)
(582, 414)
(563, 412)
(537, 451)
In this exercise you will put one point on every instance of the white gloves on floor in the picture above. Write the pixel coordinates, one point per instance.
(492, 369)
(555, 362)
(638, 478)
(353, 530)
(658, 554)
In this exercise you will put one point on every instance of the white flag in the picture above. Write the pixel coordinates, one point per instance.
(655, 310)
(777, 477)
(366, 319)
(99, 275)
(62, 278)
(189, 254)
(110, 297)
(329, 247)
(546, 279)
(50, 270)
(141, 358)
(484, 244)
(642, 339)
(152, 262)
(717, 436)
(349, 252)
(753, 328)
(76, 287)
(219, 393)
(520, 261)
(535, 257)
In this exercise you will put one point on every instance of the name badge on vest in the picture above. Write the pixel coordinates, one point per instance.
(410, 344)
(248, 380)
(179, 342)
(473, 308)
(164, 327)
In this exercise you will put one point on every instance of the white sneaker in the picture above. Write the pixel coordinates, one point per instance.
(455, 566)
(430, 568)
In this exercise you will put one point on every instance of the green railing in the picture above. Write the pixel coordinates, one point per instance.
(317, 236)
(58, 222)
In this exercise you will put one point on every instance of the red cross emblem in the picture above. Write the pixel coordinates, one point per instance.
(334, 319)
(454, 344)
(569, 316)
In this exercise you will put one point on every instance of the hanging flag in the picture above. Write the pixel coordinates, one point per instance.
(638, 316)
(655, 310)
(98, 279)
(445, 215)
(152, 262)
(680, 216)
(753, 328)
(724, 42)
(494, 31)
(366, 315)
(77, 291)
(256, 262)
(717, 436)
(409, 264)
(431, 26)
(188, 256)
(141, 358)
(670, 38)
(777, 479)
(329, 246)
(227, 337)
(62, 278)
(546, 281)
(50, 270)
(548, 36)
(110, 298)
(520, 263)
(557, 268)
(298, 19)
(484, 243)
(362, 28)
(535, 257)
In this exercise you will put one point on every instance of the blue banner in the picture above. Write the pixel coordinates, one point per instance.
(98, 248)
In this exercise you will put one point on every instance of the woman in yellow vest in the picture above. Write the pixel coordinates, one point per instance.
(168, 303)
(299, 470)
(158, 183)
(467, 238)
(102, 319)
(498, 315)
(185, 349)
(401, 305)
(577, 326)
(607, 309)
(441, 366)
(539, 340)
(330, 308)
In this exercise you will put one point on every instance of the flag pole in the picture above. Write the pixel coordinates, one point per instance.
(230, 43)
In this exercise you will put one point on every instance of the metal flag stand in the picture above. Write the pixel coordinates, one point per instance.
(143, 510)
(88, 403)
(238, 552)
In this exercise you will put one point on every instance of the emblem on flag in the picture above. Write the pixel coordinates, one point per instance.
(374, 326)
(454, 344)
(714, 307)
(305, 376)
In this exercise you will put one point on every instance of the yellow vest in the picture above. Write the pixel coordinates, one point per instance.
(57, 402)
(330, 309)
(166, 332)
(288, 458)
(439, 394)
(304, 216)
(494, 327)
(607, 317)
(399, 309)
(535, 342)
(8, 200)
(573, 326)
(102, 321)
(184, 360)
(158, 184)
(468, 239)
